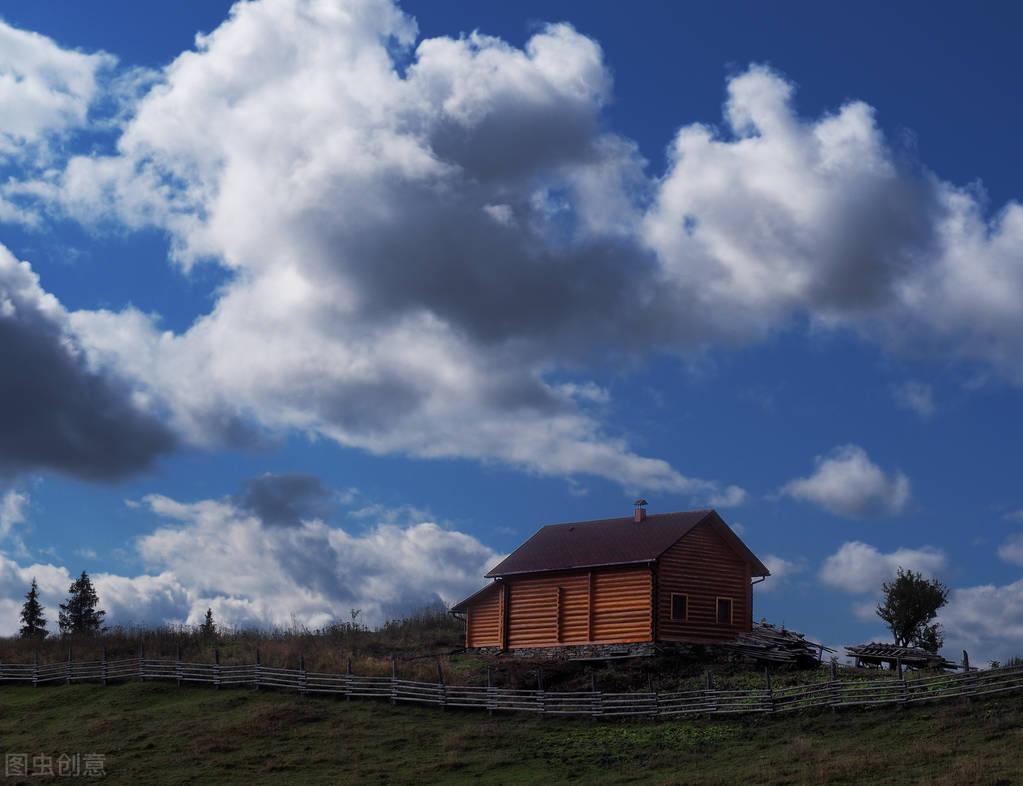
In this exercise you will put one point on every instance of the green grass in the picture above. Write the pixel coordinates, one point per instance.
(160, 734)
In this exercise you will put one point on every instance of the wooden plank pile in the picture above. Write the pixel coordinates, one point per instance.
(765, 642)
(875, 653)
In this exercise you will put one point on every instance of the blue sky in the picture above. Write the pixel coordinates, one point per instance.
(433, 291)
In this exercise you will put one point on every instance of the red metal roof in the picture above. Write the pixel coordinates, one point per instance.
(619, 541)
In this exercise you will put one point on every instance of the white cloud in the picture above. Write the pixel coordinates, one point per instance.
(12, 511)
(780, 215)
(847, 483)
(861, 568)
(866, 611)
(916, 397)
(217, 554)
(728, 497)
(781, 570)
(424, 235)
(1016, 515)
(45, 90)
(1012, 549)
(985, 620)
(328, 329)
(254, 573)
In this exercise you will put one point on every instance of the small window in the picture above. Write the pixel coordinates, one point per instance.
(679, 607)
(724, 611)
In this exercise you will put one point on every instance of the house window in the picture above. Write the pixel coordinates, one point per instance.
(679, 607)
(724, 611)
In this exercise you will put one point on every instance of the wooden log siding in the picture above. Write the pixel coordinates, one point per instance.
(606, 606)
(703, 567)
(483, 620)
(621, 605)
(548, 609)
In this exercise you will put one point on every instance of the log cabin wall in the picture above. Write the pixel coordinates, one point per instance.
(622, 608)
(602, 606)
(483, 619)
(703, 567)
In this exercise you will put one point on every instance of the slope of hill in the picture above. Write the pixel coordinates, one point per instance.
(160, 734)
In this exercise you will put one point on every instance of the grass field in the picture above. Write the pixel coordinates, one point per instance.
(160, 734)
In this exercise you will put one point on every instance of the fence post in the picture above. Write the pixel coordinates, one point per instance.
(103, 666)
(141, 657)
(177, 665)
(216, 669)
(770, 690)
(67, 667)
(966, 676)
(490, 692)
(302, 681)
(35, 670)
(712, 704)
(540, 691)
(348, 681)
(653, 694)
(257, 670)
(598, 698)
(836, 690)
(394, 680)
(440, 681)
(903, 687)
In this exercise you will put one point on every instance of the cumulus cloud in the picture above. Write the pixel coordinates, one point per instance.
(986, 620)
(424, 235)
(1012, 549)
(916, 397)
(413, 259)
(56, 410)
(847, 483)
(255, 571)
(860, 568)
(285, 499)
(45, 90)
(785, 216)
(12, 510)
(46, 93)
(781, 570)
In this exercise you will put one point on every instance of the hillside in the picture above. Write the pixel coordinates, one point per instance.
(159, 734)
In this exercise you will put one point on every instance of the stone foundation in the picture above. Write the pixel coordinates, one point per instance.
(574, 651)
(706, 651)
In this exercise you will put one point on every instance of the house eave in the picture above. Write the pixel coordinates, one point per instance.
(564, 569)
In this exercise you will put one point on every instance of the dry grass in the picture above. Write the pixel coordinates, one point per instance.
(416, 640)
(159, 734)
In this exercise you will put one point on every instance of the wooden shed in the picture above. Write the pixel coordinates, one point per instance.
(673, 577)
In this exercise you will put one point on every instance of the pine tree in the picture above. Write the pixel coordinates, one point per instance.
(208, 629)
(79, 613)
(33, 624)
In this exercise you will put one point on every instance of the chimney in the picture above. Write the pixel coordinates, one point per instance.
(640, 512)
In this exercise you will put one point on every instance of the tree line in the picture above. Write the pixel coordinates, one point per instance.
(909, 606)
(79, 614)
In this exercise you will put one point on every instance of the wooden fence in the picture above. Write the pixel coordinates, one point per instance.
(833, 693)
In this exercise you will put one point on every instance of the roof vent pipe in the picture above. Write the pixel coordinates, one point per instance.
(640, 512)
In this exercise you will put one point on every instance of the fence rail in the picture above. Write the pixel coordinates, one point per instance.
(893, 691)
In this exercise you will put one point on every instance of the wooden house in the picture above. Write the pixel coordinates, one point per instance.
(672, 577)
